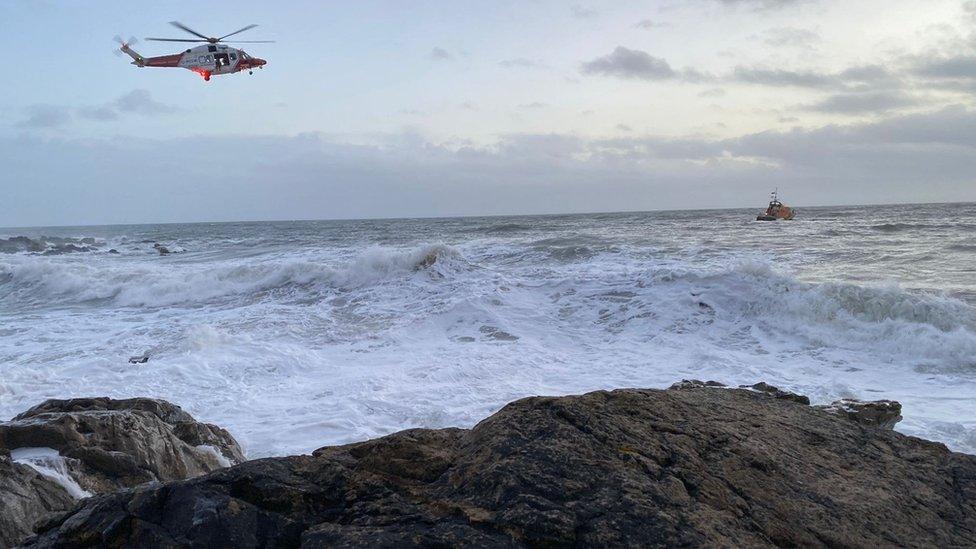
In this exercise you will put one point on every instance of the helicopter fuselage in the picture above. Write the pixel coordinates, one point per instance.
(206, 60)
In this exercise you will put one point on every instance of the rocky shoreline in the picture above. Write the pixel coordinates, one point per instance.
(698, 464)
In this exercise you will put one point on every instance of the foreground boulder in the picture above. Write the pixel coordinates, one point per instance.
(26, 496)
(695, 466)
(92, 446)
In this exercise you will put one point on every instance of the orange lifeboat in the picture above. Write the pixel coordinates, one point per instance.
(776, 210)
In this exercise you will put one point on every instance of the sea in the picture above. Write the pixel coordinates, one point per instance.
(295, 335)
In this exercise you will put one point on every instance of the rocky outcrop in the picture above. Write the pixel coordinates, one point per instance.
(26, 497)
(96, 446)
(883, 414)
(696, 466)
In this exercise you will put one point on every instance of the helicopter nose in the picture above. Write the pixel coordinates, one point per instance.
(259, 62)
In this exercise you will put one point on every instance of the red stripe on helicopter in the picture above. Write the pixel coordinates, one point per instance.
(164, 61)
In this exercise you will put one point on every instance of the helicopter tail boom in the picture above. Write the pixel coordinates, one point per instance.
(137, 59)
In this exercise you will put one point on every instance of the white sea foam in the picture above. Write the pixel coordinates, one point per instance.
(323, 334)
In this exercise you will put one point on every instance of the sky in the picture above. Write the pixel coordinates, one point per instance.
(435, 108)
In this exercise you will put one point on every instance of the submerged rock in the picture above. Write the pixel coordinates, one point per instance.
(689, 467)
(100, 445)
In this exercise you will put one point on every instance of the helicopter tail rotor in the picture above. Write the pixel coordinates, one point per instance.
(124, 47)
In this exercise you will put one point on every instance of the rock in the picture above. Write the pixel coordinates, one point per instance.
(776, 392)
(163, 250)
(113, 251)
(638, 468)
(883, 414)
(141, 359)
(104, 445)
(695, 384)
(25, 498)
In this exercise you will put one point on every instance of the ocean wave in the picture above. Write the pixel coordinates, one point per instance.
(48, 245)
(961, 247)
(37, 281)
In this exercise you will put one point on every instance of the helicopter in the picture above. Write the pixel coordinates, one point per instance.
(211, 59)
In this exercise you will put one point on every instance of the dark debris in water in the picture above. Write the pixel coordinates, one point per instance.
(492, 332)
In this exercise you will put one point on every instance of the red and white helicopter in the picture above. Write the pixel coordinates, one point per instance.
(207, 60)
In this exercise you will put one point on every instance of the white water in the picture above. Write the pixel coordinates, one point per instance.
(295, 336)
(49, 463)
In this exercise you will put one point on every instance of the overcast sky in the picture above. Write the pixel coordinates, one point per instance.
(432, 108)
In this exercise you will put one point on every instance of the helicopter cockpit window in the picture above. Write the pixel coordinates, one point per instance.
(233, 56)
(211, 48)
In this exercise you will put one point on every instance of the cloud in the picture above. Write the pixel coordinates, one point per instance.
(535, 105)
(649, 24)
(440, 54)
(101, 113)
(957, 67)
(628, 63)
(712, 92)
(135, 102)
(784, 78)
(312, 176)
(863, 103)
(763, 5)
(45, 117)
(624, 128)
(521, 62)
(794, 37)
(582, 12)
(141, 102)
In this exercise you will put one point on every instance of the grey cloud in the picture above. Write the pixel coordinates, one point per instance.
(862, 103)
(792, 37)
(138, 102)
(712, 92)
(45, 116)
(141, 102)
(762, 5)
(312, 176)
(535, 105)
(961, 66)
(440, 54)
(521, 62)
(628, 63)
(648, 24)
(624, 128)
(102, 113)
(785, 78)
(582, 12)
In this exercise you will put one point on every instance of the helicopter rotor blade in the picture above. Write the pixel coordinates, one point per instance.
(249, 27)
(123, 43)
(249, 42)
(176, 40)
(183, 27)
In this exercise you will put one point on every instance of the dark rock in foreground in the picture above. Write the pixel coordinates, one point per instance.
(26, 496)
(697, 466)
(101, 445)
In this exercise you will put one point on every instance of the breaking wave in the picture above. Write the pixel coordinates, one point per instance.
(39, 281)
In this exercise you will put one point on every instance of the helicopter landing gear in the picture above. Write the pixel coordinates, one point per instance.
(250, 72)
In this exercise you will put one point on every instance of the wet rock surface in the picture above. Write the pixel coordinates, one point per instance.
(883, 414)
(105, 445)
(693, 466)
(26, 498)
